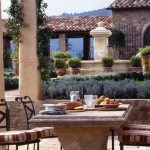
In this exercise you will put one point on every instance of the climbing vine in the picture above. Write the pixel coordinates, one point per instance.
(13, 24)
(44, 34)
(15, 21)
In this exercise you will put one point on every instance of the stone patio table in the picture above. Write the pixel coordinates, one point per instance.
(87, 130)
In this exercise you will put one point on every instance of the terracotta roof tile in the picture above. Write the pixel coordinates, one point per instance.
(78, 24)
(130, 4)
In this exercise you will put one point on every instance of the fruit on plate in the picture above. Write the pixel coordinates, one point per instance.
(109, 102)
(100, 99)
(107, 99)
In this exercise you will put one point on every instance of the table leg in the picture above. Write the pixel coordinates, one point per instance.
(83, 138)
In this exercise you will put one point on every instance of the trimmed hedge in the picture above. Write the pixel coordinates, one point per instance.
(126, 85)
(11, 81)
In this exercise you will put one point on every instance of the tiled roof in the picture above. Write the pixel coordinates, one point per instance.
(78, 24)
(130, 4)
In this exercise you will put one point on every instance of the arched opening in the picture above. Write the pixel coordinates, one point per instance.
(147, 37)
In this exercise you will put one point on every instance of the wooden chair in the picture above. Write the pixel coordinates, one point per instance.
(134, 135)
(18, 138)
(47, 132)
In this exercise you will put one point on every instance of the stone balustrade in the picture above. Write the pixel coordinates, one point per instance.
(95, 66)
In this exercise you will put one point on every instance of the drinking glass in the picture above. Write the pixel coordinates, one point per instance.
(74, 96)
(90, 100)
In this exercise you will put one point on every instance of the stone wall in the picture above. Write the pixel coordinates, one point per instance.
(132, 21)
(141, 113)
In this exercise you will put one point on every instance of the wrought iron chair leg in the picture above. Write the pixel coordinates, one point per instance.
(34, 146)
(112, 134)
(38, 147)
(27, 146)
(16, 147)
(121, 146)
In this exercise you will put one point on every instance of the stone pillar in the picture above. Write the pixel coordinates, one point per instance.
(62, 42)
(1, 59)
(100, 35)
(29, 75)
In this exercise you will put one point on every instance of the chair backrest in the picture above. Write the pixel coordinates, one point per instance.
(28, 107)
(4, 115)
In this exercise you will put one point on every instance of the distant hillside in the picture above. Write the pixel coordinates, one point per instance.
(99, 12)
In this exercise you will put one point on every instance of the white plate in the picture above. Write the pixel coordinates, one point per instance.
(110, 105)
(55, 107)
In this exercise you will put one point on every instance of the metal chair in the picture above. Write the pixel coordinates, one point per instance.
(47, 132)
(134, 135)
(17, 138)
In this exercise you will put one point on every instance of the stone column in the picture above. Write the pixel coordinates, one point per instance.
(62, 42)
(100, 35)
(29, 75)
(1, 59)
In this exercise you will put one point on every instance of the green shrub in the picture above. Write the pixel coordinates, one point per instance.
(59, 63)
(117, 39)
(14, 55)
(88, 84)
(11, 83)
(145, 51)
(135, 61)
(60, 54)
(74, 63)
(107, 61)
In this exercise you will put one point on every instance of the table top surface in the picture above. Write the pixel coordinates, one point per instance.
(83, 118)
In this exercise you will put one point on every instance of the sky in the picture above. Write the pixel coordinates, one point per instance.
(57, 7)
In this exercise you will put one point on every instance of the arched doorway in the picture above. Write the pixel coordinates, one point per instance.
(147, 37)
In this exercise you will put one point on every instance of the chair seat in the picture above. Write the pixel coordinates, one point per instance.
(135, 127)
(45, 132)
(134, 136)
(18, 136)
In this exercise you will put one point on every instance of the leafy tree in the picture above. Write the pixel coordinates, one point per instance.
(117, 39)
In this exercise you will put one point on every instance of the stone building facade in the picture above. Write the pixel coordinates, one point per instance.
(132, 17)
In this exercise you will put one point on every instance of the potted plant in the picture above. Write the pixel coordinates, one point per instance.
(145, 53)
(107, 63)
(15, 57)
(135, 64)
(74, 64)
(59, 65)
(62, 54)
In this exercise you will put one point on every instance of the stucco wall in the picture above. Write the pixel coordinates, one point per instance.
(18, 120)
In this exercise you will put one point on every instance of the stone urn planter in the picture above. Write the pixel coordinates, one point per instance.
(135, 64)
(135, 69)
(74, 64)
(107, 69)
(146, 63)
(107, 63)
(74, 71)
(60, 71)
(59, 65)
(145, 53)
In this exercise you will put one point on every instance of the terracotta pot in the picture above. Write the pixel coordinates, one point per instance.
(60, 71)
(107, 69)
(146, 63)
(74, 71)
(135, 69)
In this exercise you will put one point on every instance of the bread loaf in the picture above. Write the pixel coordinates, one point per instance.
(72, 105)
